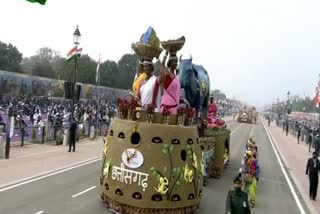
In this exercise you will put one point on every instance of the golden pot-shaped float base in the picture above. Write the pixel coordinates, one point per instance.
(151, 167)
(116, 207)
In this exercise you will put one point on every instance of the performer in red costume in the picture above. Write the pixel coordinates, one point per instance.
(213, 120)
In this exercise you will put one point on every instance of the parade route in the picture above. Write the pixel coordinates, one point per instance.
(273, 195)
(77, 190)
(294, 157)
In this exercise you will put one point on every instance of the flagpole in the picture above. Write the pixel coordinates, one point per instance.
(98, 93)
(319, 110)
(74, 84)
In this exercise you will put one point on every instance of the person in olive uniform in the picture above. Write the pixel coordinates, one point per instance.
(313, 167)
(237, 200)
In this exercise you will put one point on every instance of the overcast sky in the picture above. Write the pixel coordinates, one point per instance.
(254, 51)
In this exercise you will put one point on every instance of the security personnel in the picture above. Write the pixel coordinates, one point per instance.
(237, 200)
(73, 132)
(313, 167)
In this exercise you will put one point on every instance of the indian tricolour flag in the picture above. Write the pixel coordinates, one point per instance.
(43, 2)
(73, 53)
(316, 98)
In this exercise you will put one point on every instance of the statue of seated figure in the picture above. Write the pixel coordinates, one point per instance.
(212, 119)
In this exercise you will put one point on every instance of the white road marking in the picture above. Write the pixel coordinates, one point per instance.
(84, 191)
(52, 172)
(251, 133)
(225, 160)
(40, 212)
(272, 181)
(295, 196)
(245, 152)
(235, 130)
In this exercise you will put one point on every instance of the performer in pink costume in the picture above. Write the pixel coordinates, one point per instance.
(213, 120)
(170, 83)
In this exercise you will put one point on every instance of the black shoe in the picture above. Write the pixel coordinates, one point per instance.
(73, 150)
(69, 151)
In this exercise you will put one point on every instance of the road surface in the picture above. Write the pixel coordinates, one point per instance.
(77, 190)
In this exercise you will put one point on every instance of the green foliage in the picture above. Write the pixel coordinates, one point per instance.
(49, 63)
(218, 95)
(181, 176)
(108, 73)
(86, 71)
(171, 149)
(154, 173)
(127, 66)
(165, 149)
(190, 150)
(10, 57)
(43, 70)
(303, 105)
(46, 63)
(165, 170)
(178, 170)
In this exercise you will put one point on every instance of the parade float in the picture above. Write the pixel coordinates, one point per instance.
(215, 144)
(152, 161)
(213, 133)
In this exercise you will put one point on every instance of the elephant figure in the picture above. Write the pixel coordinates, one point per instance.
(194, 79)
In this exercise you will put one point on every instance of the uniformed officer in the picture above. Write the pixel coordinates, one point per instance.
(73, 131)
(313, 167)
(237, 200)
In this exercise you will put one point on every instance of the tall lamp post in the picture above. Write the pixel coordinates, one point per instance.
(278, 109)
(76, 41)
(288, 106)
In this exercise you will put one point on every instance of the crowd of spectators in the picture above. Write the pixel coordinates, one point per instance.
(55, 113)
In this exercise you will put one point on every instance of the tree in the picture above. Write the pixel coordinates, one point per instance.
(108, 73)
(43, 70)
(58, 66)
(218, 95)
(86, 72)
(26, 65)
(303, 105)
(10, 57)
(46, 63)
(47, 54)
(127, 70)
(66, 70)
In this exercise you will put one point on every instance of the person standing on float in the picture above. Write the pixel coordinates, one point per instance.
(140, 76)
(149, 90)
(170, 83)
